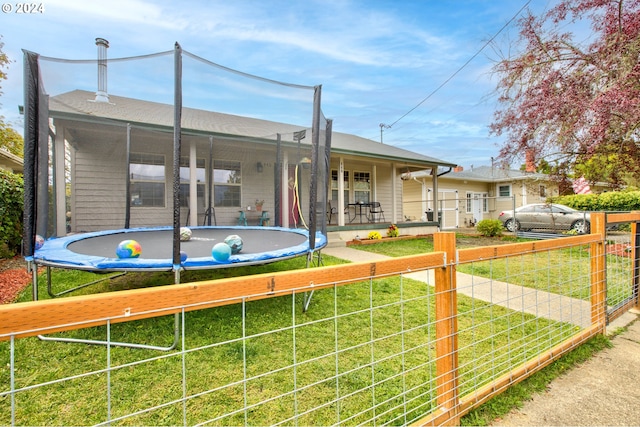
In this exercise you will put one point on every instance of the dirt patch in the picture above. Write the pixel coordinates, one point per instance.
(14, 277)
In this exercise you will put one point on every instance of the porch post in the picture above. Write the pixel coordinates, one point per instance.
(436, 203)
(341, 200)
(285, 190)
(193, 185)
(60, 193)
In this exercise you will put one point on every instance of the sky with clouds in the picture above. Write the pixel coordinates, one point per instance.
(398, 63)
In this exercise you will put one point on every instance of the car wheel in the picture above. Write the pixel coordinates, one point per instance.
(581, 226)
(512, 225)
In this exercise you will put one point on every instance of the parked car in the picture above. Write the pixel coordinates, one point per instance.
(546, 216)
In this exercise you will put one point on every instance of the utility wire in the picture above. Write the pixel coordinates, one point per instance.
(462, 67)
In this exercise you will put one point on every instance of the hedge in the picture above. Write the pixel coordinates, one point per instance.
(611, 201)
(11, 210)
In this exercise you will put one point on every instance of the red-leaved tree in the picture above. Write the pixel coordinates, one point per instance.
(573, 102)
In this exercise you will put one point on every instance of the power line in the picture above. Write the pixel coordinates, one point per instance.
(462, 67)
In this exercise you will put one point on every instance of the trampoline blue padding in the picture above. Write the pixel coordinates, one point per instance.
(96, 251)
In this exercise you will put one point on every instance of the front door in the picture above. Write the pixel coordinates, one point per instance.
(476, 207)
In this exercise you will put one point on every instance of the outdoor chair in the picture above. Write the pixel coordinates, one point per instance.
(376, 214)
(331, 212)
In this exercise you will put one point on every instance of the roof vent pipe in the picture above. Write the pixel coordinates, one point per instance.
(101, 94)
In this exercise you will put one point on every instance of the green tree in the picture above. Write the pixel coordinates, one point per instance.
(9, 138)
(571, 99)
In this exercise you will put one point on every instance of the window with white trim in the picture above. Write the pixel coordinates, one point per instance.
(504, 190)
(147, 180)
(362, 187)
(334, 186)
(227, 183)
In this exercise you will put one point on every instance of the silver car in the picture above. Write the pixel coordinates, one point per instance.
(546, 216)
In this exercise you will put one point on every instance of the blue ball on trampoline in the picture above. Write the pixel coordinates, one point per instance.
(235, 243)
(183, 256)
(221, 251)
(128, 249)
(39, 241)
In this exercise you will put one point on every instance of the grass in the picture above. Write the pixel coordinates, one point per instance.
(370, 343)
(562, 271)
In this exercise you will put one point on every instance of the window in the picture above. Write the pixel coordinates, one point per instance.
(334, 186)
(504, 190)
(543, 191)
(227, 183)
(361, 187)
(147, 180)
(185, 177)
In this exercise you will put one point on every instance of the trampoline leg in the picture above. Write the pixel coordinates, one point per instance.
(54, 295)
(33, 269)
(307, 301)
(176, 339)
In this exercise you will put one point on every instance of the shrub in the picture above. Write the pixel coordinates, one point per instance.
(611, 201)
(490, 227)
(11, 209)
(393, 231)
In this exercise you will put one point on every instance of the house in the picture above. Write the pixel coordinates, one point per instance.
(466, 197)
(10, 162)
(120, 152)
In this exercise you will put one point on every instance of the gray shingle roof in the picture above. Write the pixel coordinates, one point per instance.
(79, 105)
(494, 174)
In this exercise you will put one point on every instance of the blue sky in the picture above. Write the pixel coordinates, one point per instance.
(376, 60)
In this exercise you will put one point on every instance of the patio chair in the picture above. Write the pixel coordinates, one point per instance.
(376, 214)
(331, 212)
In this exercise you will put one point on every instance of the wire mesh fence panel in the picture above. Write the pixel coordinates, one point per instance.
(517, 307)
(621, 245)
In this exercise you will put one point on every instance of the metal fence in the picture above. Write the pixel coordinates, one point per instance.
(414, 339)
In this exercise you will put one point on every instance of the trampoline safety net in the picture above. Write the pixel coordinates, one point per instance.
(169, 139)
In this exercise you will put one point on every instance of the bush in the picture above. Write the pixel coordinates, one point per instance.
(11, 209)
(611, 201)
(490, 227)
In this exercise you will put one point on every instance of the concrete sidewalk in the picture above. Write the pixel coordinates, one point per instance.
(605, 390)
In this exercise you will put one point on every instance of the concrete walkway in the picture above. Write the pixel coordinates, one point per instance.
(531, 301)
(604, 391)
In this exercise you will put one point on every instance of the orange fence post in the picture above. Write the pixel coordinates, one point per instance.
(598, 273)
(447, 330)
(635, 260)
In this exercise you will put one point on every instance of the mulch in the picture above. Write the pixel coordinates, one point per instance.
(14, 277)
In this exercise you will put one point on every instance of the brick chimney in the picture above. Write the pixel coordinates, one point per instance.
(530, 161)
(458, 169)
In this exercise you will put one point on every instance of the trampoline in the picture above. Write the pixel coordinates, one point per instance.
(95, 251)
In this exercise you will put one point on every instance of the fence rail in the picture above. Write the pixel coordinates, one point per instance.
(419, 339)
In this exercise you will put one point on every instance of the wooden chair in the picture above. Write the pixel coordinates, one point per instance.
(375, 212)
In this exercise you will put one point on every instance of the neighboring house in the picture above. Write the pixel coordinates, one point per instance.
(10, 162)
(231, 157)
(466, 197)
